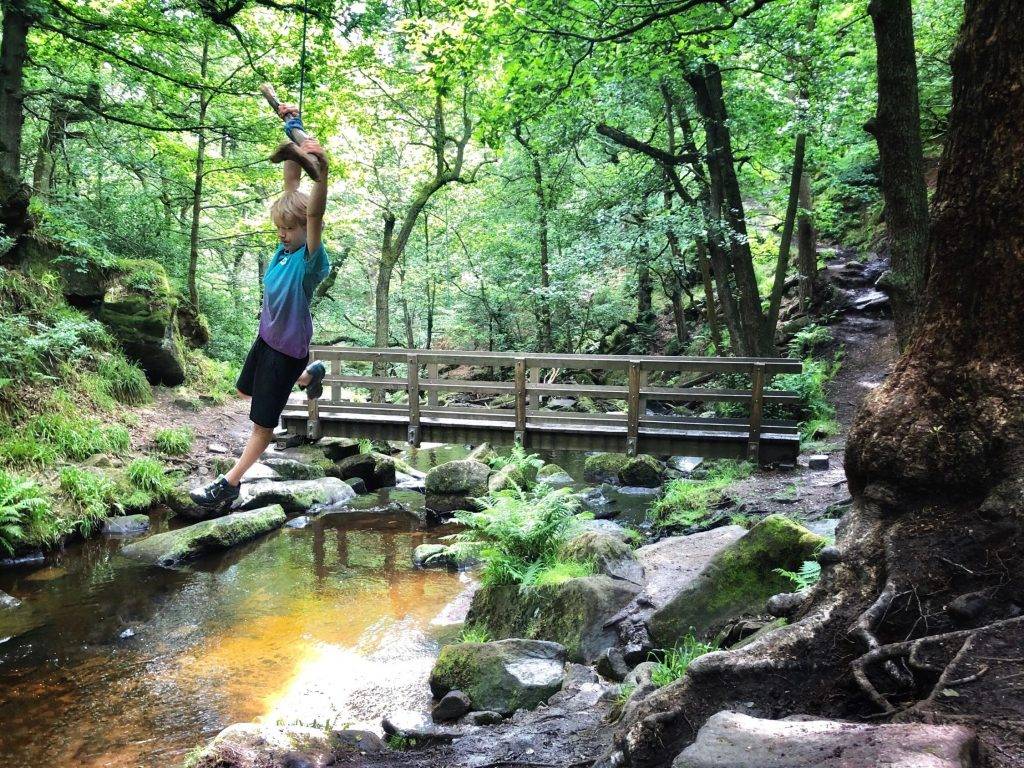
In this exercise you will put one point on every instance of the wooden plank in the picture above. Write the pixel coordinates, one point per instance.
(520, 382)
(368, 382)
(533, 378)
(413, 373)
(719, 395)
(603, 362)
(433, 372)
(459, 385)
(642, 408)
(756, 410)
(633, 406)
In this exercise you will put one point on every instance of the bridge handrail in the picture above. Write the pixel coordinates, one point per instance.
(527, 388)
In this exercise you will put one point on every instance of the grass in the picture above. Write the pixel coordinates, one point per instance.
(473, 634)
(92, 494)
(149, 482)
(60, 435)
(674, 663)
(689, 502)
(174, 441)
(520, 534)
(558, 572)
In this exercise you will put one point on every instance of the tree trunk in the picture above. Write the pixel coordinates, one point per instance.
(897, 129)
(644, 289)
(13, 52)
(197, 187)
(806, 245)
(935, 463)
(786, 241)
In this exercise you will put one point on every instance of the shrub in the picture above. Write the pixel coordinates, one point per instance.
(809, 385)
(676, 661)
(174, 441)
(688, 502)
(808, 340)
(520, 532)
(23, 505)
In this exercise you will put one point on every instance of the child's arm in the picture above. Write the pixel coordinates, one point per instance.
(292, 170)
(317, 199)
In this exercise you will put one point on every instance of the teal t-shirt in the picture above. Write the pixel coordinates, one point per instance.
(288, 285)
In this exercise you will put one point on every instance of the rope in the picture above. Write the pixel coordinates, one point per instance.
(302, 61)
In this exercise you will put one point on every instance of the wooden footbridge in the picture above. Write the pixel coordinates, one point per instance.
(528, 421)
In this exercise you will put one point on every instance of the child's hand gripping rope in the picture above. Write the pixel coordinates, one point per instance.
(301, 148)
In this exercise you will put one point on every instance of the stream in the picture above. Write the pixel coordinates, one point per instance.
(109, 663)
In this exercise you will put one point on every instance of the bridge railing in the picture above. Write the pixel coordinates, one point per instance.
(526, 390)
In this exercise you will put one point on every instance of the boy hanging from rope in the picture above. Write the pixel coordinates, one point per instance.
(279, 356)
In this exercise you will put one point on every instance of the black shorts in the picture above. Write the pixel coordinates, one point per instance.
(268, 377)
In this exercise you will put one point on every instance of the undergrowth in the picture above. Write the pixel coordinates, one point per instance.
(174, 441)
(688, 502)
(674, 663)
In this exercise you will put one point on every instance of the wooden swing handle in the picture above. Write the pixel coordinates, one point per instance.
(291, 151)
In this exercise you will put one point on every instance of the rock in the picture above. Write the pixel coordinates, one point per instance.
(418, 729)
(127, 634)
(830, 555)
(293, 469)
(612, 665)
(358, 485)
(554, 475)
(145, 328)
(604, 467)
(298, 522)
(500, 676)
(610, 555)
(98, 461)
(193, 541)
(129, 525)
(483, 718)
(375, 469)
(818, 461)
(685, 464)
(602, 526)
(786, 604)
(339, 448)
(641, 674)
(739, 579)
(295, 495)
(482, 453)
(258, 745)
(8, 602)
(455, 556)
(735, 632)
(573, 613)
(32, 558)
(259, 471)
(868, 300)
(965, 609)
(452, 706)
(733, 740)
(217, 448)
(454, 484)
(507, 477)
(641, 471)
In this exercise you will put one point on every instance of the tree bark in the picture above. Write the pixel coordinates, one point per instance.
(543, 304)
(806, 245)
(17, 20)
(935, 464)
(197, 187)
(897, 129)
(786, 241)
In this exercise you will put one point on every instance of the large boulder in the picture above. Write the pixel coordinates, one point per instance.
(604, 467)
(573, 613)
(500, 676)
(339, 448)
(258, 745)
(609, 554)
(146, 332)
(375, 469)
(735, 740)
(738, 579)
(293, 469)
(295, 495)
(193, 541)
(453, 485)
(641, 471)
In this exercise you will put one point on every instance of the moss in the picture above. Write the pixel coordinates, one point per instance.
(604, 467)
(738, 580)
(642, 471)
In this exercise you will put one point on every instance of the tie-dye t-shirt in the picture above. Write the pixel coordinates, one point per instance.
(288, 285)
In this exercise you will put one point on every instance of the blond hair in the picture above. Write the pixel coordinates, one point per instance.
(289, 210)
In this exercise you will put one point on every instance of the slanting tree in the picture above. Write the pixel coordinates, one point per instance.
(922, 593)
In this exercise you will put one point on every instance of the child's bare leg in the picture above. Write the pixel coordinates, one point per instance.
(260, 438)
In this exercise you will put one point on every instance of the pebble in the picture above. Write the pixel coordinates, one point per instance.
(217, 448)
(818, 461)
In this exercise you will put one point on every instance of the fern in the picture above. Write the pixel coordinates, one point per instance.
(22, 504)
(807, 576)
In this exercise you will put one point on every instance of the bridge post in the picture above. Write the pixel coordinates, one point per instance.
(520, 433)
(533, 377)
(633, 408)
(756, 411)
(314, 429)
(433, 372)
(413, 365)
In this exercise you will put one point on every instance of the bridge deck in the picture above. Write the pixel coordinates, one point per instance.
(423, 418)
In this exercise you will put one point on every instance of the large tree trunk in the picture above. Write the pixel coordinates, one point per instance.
(897, 129)
(806, 244)
(13, 52)
(197, 187)
(936, 467)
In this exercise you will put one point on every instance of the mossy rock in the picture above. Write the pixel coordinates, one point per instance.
(572, 613)
(145, 331)
(292, 469)
(738, 580)
(604, 467)
(500, 676)
(482, 453)
(552, 474)
(295, 495)
(455, 484)
(194, 541)
(452, 556)
(641, 471)
(609, 554)
(375, 469)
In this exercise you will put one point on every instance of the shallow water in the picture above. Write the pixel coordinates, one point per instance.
(110, 663)
(115, 664)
